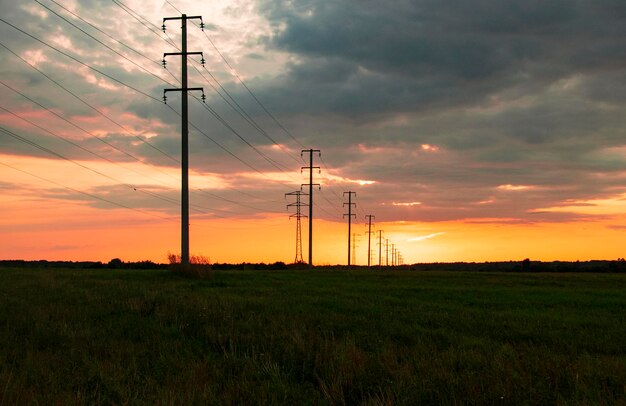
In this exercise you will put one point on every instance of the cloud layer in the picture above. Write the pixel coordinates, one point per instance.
(521, 103)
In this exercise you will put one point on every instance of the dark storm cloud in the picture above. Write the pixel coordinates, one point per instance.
(449, 51)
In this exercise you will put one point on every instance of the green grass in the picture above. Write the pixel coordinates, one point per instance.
(252, 337)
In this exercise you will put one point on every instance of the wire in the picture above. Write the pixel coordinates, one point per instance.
(102, 43)
(103, 32)
(58, 155)
(208, 108)
(232, 129)
(71, 142)
(242, 112)
(102, 73)
(236, 75)
(274, 163)
(89, 194)
(132, 13)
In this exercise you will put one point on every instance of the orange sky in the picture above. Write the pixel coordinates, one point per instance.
(57, 229)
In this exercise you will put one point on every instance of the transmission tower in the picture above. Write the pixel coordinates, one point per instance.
(298, 215)
(393, 254)
(387, 252)
(380, 248)
(369, 218)
(350, 215)
(310, 185)
(184, 217)
(354, 246)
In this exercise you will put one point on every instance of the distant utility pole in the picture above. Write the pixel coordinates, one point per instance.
(386, 252)
(354, 241)
(184, 217)
(369, 218)
(298, 215)
(350, 215)
(380, 248)
(310, 185)
(393, 254)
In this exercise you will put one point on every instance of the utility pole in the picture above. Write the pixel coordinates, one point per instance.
(298, 215)
(380, 248)
(369, 218)
(393, 254)
(354, 241)
(387, 252)
(184, 217)
(350, 215)
(310, 185)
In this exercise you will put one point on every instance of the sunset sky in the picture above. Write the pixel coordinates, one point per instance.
(475, 130)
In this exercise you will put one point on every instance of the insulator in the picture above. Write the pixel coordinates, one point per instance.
(164, 99)
(163, 27)
(203, 97)
(201, 25)
(163, 62)
(202, 61)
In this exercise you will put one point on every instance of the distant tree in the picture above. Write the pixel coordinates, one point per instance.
(115, 263)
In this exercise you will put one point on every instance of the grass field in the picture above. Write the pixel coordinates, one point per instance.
(252, 337)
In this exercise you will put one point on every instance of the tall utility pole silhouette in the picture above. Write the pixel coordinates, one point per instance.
(380, 248)
(298, 215)
(393, 254)
(350, 215)
(369, 218)
(184, 217)
(387, 252)
(310, 185)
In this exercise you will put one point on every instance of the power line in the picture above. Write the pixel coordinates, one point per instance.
(105, 33)
(58, 155)
(88, 194)
(136, 16)
(236, 75)
(109, 118)
(102, 43)
(100, 72)
(197, 208)
(71, 142)
(208, 108)
(242, 112)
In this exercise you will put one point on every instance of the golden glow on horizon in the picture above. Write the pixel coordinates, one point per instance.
(64, 230)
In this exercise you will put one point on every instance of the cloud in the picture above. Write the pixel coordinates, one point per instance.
(425, 237)
(455, 105)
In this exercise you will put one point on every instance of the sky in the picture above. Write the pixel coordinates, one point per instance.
(480, 130)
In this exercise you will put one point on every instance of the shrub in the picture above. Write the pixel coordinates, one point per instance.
(199, 265)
